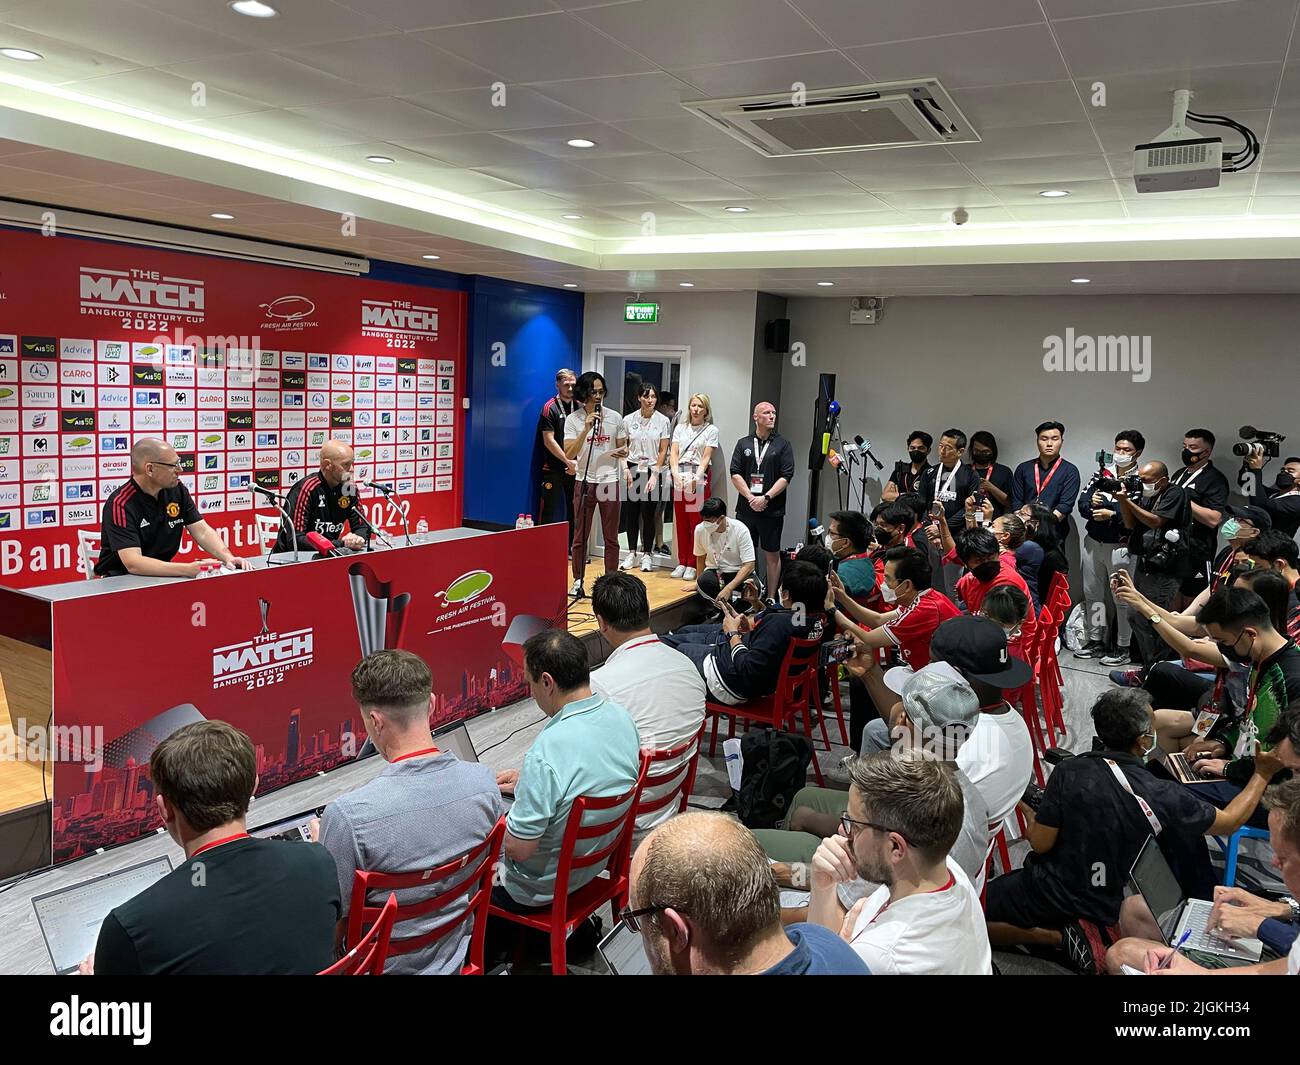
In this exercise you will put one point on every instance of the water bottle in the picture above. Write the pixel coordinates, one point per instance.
(528, 521)
(421, 526)
(519, 522)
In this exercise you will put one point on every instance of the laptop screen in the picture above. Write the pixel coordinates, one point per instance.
(1152, 876)
(297, 828)
(456, 740)
(624, 953)
(70, 918)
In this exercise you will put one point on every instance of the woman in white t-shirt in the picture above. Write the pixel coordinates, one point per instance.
(594, 437)
(648, 436)
(694, 441)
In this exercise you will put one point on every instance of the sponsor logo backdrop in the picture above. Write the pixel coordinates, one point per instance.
(256, 367)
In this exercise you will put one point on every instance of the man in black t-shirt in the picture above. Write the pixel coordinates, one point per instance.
(558, 472)
(237, 906)
(1207, 492)
(762, 467)
(144, 518)
(326, 503)
(1282, 501)
(908, 473)
(1158, 533)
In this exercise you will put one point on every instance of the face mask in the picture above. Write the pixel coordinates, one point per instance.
(1123, 462)
(828, 542)
(1285, 482)
(887, 593)
(1230, 528)
(981, 458)
(1233, 655)
(917, 457)
(1149, 490)
(1149, 754)
(1188, 457)
(986, 571)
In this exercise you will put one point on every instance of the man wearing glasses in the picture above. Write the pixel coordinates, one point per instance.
(143, 520)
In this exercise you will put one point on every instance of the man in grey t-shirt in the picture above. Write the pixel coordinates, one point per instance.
(423, 809)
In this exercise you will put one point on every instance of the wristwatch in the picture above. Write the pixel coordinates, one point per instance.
(1156, 619)
(1295, 909)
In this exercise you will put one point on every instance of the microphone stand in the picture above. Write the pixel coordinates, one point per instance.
(278, 501)
(389, 494)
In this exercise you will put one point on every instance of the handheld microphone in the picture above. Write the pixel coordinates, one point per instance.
(321, 544)
(815, 527)
(864, 446)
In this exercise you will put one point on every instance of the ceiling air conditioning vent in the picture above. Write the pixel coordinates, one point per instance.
(856, 118)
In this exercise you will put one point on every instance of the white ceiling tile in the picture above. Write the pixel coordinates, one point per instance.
(971, 196)
(1279, 157)
(299, 21)
(780, 186)
(795, 202)
(1061, 9)
(475, 150)
(546, 174)
(1066, 212)
(815, 70)
(1026, 142)
(64, 61)
(611, 193)
(540, 203)
(272, 79)
(845, 24)
(539, 48)
(990, 57)
(1286, 125)
(383, 118)
(552, 141)
(686, 133)
(706, 188)
(1242, 31)
(284, 129)
(1286, 184)
(1216, 90)
(1276, 205)
(919, 177)
(1080, 192)
(978, 216)
(686, 33)
(997, 106)
(654, 95)
(738, 162)
(1154, 206)
(393, 65)
(121, 28)
(426, 14)
(168, 95)
(510, 107)
(1053, 169)
(657, 165)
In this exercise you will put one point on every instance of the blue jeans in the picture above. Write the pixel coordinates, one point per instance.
(691, 644)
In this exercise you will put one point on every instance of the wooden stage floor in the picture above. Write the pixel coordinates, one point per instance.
(662, 590)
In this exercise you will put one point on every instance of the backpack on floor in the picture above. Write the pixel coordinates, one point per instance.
(1073, 632)
(775, 766)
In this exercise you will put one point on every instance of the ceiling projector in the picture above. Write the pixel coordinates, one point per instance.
(1180, 158)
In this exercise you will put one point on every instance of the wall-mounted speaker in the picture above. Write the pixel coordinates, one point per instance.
(777, 336)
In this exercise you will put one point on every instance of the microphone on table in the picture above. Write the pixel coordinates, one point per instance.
(321, 544)
(864, 446)
(267, 492)
(387, 489)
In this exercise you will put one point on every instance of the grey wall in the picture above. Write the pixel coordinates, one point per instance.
(977, 363)
(718, 327)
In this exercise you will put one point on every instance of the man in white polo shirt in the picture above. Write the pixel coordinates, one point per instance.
(724, 552)
(658, 685)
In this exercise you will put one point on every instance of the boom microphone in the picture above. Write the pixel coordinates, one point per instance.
(266, 492)
(385, 488)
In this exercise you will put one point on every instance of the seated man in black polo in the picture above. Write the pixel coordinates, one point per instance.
(741, 659)
(1096, 813)
(236, 906)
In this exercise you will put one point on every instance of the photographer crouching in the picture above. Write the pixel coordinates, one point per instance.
(1158, 525)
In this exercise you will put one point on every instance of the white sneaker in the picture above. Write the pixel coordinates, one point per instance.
(679, 572)
(630, 561)
(689, 575)
(576, 590)
(647, 565)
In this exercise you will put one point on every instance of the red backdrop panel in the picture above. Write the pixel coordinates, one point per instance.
(245, 368)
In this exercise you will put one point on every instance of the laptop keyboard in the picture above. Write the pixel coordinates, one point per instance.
(1201, 938)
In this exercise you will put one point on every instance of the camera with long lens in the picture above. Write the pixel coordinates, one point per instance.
(1258, 441)
(1131, 483)
(1162, 550)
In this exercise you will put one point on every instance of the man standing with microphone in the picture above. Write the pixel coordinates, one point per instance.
(325, 503)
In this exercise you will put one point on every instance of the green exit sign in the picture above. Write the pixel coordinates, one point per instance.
(641, 312)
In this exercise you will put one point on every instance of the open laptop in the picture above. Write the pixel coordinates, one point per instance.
(1159, 888)
(455, 738)
(1180, 768)
(70, 917)
(623, 952)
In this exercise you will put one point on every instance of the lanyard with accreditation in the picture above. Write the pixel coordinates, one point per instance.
(1041, 483)
(756, 478)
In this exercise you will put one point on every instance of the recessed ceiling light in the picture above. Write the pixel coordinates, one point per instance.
(825, 284)
(223, 216)
(685, 284)
(254, 9)
(573, 217)
(23, 55)
(382, 160)
(1080, 280)
(1053, 194)
(580, 142)
(431, 257)
(737, 210)
(570, 284)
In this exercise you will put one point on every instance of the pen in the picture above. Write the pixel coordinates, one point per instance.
(1169, 958)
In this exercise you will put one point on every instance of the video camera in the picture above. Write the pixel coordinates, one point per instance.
(1131, 483)
(1258, 441)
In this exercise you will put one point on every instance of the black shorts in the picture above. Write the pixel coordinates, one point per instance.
(763, 528)
(1014, 899)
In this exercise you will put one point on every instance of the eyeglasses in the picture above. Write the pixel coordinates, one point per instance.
(170, 465)
(847, 823)
(632, 918)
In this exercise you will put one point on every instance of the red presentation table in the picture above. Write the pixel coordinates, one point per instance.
(131, 659)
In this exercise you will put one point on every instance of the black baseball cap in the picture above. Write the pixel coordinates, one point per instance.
(1257, 516)
(977, 648)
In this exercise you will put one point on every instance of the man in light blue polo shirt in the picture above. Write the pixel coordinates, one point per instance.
(590, 746)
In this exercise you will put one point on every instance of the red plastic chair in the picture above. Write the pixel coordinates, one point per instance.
(1026, 699)
(569, 909)
(1051, 683)
(682, 778)
(368, 956)
(476, 867)
(791, 698)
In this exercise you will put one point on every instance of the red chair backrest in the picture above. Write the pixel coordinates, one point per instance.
(614, 855)
(476, 865)
(1058, 593)
(682, 777)
(798, 668)
(368, 956)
